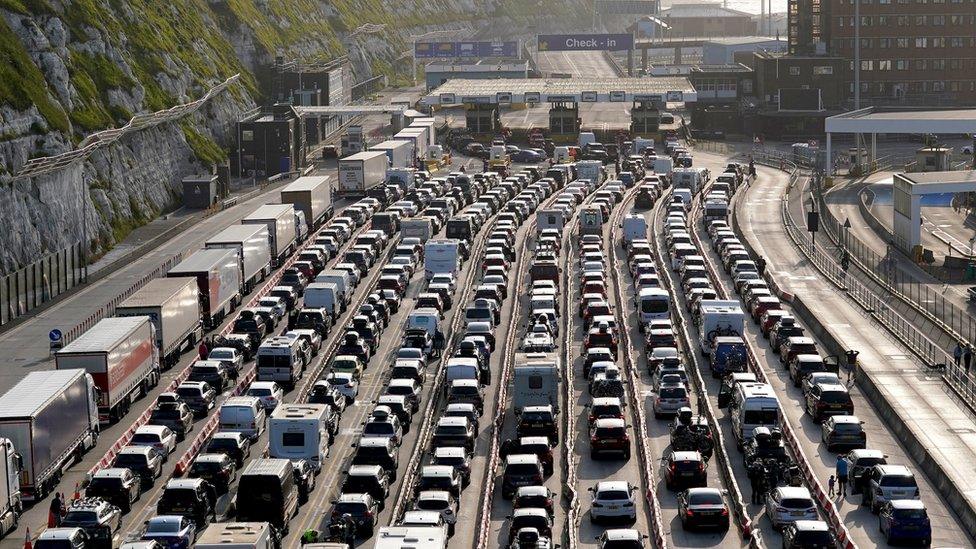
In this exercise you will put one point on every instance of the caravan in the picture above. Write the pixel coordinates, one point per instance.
(635, 228)
(536, 381)
(301, 431)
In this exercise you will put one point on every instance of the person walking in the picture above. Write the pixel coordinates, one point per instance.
(54, 512)
(957, 353)
(841, 470)
(830, 485)
(967, 356)
(203, 349)
(755, 472)
(761, 266)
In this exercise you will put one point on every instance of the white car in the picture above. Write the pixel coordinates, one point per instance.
(276, 304)
(345, 383)
(157, 437)
(445, 278)
(788, 504)
(269, 392)
(408, 207)
(613, 500)
(227, 356)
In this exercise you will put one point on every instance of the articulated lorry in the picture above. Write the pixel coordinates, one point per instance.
(51, 417)
(218, 276)
(11, 502)
(280, 220)
(121, 356)
(253, 243)
(311, 195)
(173, 307)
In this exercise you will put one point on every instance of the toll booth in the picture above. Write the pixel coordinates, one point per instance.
(564, 118)
(933, 159)
(482, 118)
(645, 117)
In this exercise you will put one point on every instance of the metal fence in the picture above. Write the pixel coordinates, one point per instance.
(33, 285)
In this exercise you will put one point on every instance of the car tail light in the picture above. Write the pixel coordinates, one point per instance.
(689, 513)
(537, 478)
(725, 512)
(369, 514)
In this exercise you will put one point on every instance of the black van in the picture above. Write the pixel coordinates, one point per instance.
(267, 493)
(461, 228)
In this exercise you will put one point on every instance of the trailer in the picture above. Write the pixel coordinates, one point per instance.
(253, 243)
(429, 123)
(418, 137)
(121, 355)
(280, 220)
(362, 171)
(719, 318)
(311, 195)
(218, 276)
(51, 417)
(173, 306)
(398, 151)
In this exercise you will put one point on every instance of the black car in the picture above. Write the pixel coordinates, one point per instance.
(685, 470)
(251, 325)
(220, 470)
(235, 445)
(175, 415)
(538, 421)
(98, 518)
(141, 460)
(239, 341)
(193, 498)
(118, 486)
(213, 372)
(199, 396)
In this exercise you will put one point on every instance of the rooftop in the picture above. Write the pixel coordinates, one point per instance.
(936, 178)
(587, 90)
(739, 40)
(868, 120)
(702, 10)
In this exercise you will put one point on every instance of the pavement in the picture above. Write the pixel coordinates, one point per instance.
(924, 426)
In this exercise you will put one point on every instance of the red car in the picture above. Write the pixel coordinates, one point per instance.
(609, 436)
(601, 336)
(761, 305)
(769, 318)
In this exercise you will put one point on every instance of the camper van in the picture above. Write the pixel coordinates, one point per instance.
(535, 381)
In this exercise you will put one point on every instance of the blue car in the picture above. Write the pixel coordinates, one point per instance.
(905, 520)
(171, 531)
(526, 156)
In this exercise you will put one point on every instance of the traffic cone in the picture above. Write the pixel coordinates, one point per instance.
(28, 544)
(77, 495)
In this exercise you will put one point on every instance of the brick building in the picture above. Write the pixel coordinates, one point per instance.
(707, 20)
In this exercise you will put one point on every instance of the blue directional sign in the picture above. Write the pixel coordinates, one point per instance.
(585, 42)
(55, 335)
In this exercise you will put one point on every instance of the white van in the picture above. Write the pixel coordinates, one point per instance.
(279, 360)
(753, 405)
(653, 304)
(243, 414)
(341, 279)
(635, 228)
(535, 381)
(324, 295)
(427, 319)
(550, 219)
(561, 155)
(685, 195)
(300, 431)
(441, 256)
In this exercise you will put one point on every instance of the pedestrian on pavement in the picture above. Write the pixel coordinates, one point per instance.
(967, 356)
(203, 349)
(54, 512)
(830, 485)
(841, 471)
(957, 353)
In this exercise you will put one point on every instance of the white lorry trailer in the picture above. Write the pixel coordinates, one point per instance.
(280, 220)
(535, 381)
(11, 502)
(237, 535)
(253, 243)
(362, 171)
(591, 170)
(398, 151)
(300, 431)
(312, 195)
(51, 417)
(417, 227)
(121, 355)
(173, 307)
(218, 276)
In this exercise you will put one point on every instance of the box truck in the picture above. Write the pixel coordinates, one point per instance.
(237, 535)
(426, 122)
(120, 354)
(312, 195)
(253, 243)
(719, 318)
(591, 170)
(300, 431)
(362, 171)
(173, 306)
(218, 276)
(11, 502)
(51, 417)
(417, 136)
(398, 151)
(280, 220)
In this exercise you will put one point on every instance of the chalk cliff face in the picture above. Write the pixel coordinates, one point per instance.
(69, 68)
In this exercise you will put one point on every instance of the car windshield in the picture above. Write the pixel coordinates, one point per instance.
(378, 428)
(898, 481)
(104, 484)
(222, 444)
(522, 469)
(814, 537)
(910, 514)
(188, 392)
(610, 432)
(705, 498)
(259, 392)
(613, 494)
(673, 392)
(836, 397)
(160, 527)
(204, 467)
(847, 428)
(166, 413)
(761, 417)
(130, 461)
(353, 508)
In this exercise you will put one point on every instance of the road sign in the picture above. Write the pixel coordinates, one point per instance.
(57, 338)
(468, 49)
(585, 42)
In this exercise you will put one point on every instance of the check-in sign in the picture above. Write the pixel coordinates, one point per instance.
(618, 96)
(533, 97)
(585, 42)
(588, 97)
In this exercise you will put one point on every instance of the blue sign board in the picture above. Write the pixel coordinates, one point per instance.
(585, 42)
(470, 49)
(55, 335)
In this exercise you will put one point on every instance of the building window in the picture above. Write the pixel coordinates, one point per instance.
(902, 42)
(938, 42)
(955, 64)
(938, 86)
(921, 20)
(902, 20)
(866, 43)
(794, 71)
(921, 42)
(882, 20)
(867, 65)
(921, 65)
(938, 20)
(823, 70)
(938, 64)
(901, 64)
(956, 41)
(954, 86)
(884, 65)
(865, 20)
(247, 135)
(840, 21)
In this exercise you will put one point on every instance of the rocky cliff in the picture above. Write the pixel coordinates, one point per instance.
(69, 68)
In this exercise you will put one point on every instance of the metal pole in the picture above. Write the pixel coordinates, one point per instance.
(857, 61)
